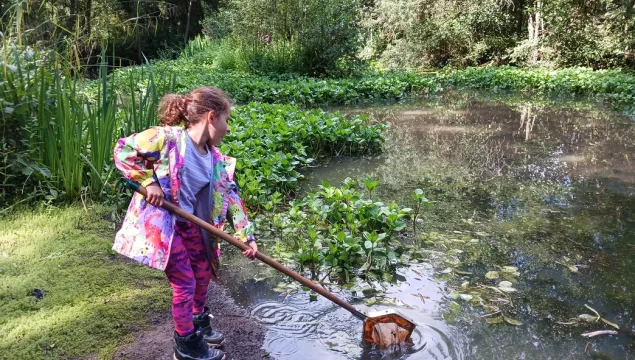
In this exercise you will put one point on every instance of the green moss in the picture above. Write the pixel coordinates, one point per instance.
(95, 299)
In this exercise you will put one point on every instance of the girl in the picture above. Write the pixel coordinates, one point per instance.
(182, 164)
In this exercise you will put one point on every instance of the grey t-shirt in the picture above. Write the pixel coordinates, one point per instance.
(197, 175)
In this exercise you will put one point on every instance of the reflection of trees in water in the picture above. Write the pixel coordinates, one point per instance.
(590, 142)
(483, 140)
(527, 120)
(409, 155)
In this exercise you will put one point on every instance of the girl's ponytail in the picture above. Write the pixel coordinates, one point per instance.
(172, 110)
(175, 110)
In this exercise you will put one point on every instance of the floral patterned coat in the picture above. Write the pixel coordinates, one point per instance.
(157, 155)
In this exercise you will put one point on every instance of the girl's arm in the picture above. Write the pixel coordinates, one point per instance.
(131, 153)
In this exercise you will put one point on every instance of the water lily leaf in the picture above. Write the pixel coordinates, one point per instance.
(465, 284)
(466, 297)
(510, 270)
(370, 301)
(573, 268)
(512, 321)
(463, 272)
(494, 320)
(587, 318)
(492, 275)
(505, 284)
(446, 271)
(454, 295)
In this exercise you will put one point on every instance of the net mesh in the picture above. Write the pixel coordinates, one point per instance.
(387, 334)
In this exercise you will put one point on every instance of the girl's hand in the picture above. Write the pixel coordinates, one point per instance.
(251, 253)
(154, 194)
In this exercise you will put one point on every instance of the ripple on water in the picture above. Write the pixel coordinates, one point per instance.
(293, 331)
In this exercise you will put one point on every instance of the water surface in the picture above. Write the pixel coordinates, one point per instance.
(546, 182)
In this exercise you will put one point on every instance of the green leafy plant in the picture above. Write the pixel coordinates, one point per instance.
(342, 234)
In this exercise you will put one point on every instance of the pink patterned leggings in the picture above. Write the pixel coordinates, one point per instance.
(189, 274)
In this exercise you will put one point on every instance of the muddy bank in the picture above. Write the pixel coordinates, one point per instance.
(244, 336)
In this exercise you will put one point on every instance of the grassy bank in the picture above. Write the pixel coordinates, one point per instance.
(94, 299)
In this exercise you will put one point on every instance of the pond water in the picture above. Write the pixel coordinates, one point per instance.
(546, 186)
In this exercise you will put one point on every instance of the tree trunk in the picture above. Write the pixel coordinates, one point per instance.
(187, 23)
(535, 27)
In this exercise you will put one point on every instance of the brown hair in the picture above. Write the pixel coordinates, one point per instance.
(176, 109)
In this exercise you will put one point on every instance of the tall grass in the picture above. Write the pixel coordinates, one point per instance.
(59, 128)
(139, 104)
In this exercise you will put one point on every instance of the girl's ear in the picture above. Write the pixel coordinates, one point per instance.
(210, 116)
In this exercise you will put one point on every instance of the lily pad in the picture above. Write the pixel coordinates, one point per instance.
(370, 301)
(466, 297)
(511, 270)
(446, 271)
(512, 321)
(492, 275)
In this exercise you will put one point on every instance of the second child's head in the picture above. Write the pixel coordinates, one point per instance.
(206, 109)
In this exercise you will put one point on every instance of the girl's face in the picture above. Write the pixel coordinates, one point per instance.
(217, 127)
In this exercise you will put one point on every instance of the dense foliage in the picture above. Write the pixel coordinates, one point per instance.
(526, 32)
(286, 36)
(612, 85)
(273, 142)
(422, 33)
(306, 91)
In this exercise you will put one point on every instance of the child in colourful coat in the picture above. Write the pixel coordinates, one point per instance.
(179, 161)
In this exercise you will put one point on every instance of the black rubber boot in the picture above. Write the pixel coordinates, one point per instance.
(193, 347)
(213, 338)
